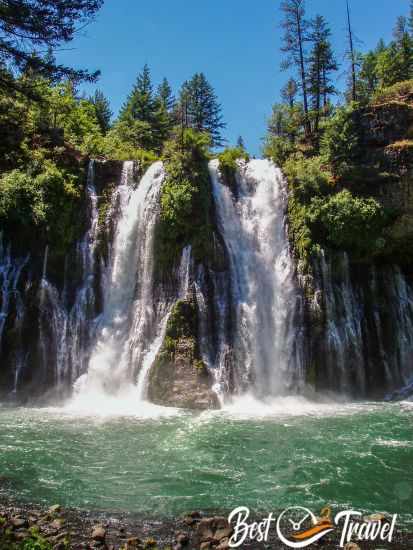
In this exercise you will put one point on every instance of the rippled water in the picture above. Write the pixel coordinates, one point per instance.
(290, 452)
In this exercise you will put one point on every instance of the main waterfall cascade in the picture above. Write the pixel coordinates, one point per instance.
(98, 332)
(267, 340)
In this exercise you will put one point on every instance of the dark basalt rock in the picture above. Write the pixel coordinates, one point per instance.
(179, 378)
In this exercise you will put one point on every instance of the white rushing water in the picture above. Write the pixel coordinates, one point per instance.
(128, 304)
(262, 277)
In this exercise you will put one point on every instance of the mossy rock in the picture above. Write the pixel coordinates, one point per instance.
(179, 377)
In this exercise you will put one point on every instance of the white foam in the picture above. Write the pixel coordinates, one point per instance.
(248, 406)
(126, 402)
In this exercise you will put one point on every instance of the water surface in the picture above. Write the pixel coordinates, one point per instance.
(164, 462)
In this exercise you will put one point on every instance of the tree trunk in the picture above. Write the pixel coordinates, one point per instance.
(307, 126)
(352, 57)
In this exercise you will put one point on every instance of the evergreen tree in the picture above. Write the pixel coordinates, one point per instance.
(395, 63)
(102, 109)
(289, 92)
(368, 80)
(321, 64)
(140, 104)
(144, 117)
(199, 108)
(400, 29)
(240, 143)
(351, 54)
(295, 36)
(30, 27)
(410, 21)
(165, 96)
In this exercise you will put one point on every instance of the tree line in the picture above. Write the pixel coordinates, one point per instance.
(310, 95)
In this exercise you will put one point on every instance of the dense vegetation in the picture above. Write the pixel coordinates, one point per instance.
(185, 199)
(47, 139)
(49, 131)
(319, 144)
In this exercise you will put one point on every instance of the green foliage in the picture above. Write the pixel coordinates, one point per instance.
(103, 111)
(123, 141)
(34, 541)
(185, 198)
(21, 199)
(394, 93)
(30, 30)
(228, 163)
(286, 121)
(278, 149)
(48, 199)
(308, 177)
(345, 221)
(145, 120)
(198, 108)
(340, 144)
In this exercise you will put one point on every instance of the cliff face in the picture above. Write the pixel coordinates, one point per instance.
(387, 155)
(359, 329)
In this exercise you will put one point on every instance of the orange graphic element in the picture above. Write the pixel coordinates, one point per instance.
(323, 524)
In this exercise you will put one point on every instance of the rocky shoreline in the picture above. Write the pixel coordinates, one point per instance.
(39, 528)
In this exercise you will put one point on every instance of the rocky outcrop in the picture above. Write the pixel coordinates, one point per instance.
(179, 377)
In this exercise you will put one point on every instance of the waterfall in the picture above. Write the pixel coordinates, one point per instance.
(10, 271)
(81, 324)
(66, 331)
(264, 293)
(12, 300)
(365, 340)
(129, 324)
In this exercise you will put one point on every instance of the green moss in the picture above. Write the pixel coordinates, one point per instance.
(182, 322)
(228, 164)
(186, 201)
(200, 366)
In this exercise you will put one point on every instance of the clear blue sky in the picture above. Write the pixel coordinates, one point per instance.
(234, 42)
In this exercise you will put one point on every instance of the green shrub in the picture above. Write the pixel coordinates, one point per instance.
(21, 199)
(392, 93)
(48, 200)
(185, 200)
(341, 141)
(349, 222)
(308, 177)
(278, 149)
(228, 163)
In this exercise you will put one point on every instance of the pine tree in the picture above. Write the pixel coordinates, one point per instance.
(321, 64)
(102, 109)
(368, 81)
(351, 53)
(140, 104)
(30, 29)
(165, 96)
(410, 22)
(295, 36)
(289, 92)
(240, 143)
(199, 108)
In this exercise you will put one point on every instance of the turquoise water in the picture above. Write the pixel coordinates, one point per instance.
(290, 453)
